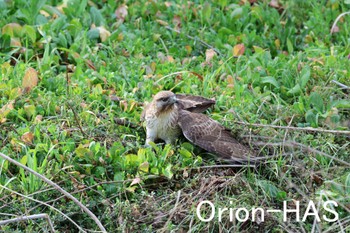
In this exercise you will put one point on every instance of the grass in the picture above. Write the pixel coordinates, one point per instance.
(69, 68)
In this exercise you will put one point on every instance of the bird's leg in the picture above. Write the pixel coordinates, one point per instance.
(150, 137)
(170, 141)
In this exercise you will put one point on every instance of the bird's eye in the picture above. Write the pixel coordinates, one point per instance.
(164, 99)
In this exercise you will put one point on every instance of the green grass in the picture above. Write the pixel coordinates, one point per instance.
(63, 127)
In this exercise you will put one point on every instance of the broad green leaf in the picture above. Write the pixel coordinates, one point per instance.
(237, 13)
(24, 160)
(81, 151)
(188, 146)
(271, 80)
(29, 110)
(132, 159)
(30, 32)
(295, 90)
(316, 101)
(12, 29)
(225, 31)
(185, 153)
(167, 171)
(96, 16)
(304, 76)
(93, 34)
(144, 167)
(311, 117)
(269, 188)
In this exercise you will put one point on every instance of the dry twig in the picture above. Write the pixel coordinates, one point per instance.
(320, 130)
(30, 217)
(58, 188)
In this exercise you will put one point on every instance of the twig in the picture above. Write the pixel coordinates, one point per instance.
(343, 86)
(172, 211)
(337, 19)
(195, 38)
(97, 184)
(305, 148)
(347, 132)
(30, 217)
(58, 188)
(289, 125)
(43, 203)
(224, 166)
(76, 119)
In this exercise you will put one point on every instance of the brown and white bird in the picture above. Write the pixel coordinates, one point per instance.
(169, 115)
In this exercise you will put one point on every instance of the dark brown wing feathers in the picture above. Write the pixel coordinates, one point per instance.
(194, 103)
(213, 137)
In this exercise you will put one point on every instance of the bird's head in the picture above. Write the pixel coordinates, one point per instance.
(164, 100)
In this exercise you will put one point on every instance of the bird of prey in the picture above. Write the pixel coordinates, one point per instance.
(169, 115)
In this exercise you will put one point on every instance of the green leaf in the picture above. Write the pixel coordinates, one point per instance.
(269, 188)
(271, 80)
(237, 13)
(144, 167)
(295, 90)
(24, 160)
(347, 1)
(132, 159)
(167, 171)
(30, 32)
(347, 185)
(81, 151)
(304, 76)
(185, 153)
(341, 104)
(311, 118)
(96, 16)
(316, 101)
(206, 12)
(289, 46)
(93, 34)
(29, 110)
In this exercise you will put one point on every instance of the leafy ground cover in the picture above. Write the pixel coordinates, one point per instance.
(74, 76)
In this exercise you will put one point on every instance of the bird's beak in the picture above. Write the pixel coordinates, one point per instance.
(173, 100)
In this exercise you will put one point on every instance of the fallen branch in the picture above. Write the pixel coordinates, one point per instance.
(58, 188)
(304, 148)
(347, 132)
(337, 19)
(30, 217)
(343, 86)
(43, 203)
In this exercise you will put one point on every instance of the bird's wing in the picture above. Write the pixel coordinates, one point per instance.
(194, 103)
(213, 137)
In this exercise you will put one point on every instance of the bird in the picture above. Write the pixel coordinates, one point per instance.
(169, 115)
